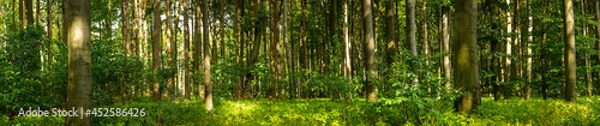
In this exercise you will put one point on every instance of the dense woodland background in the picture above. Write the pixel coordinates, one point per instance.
(212, 61)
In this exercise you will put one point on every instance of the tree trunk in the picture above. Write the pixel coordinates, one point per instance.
(22, 16)
(186, 51)
(466, 63)
(49, 26)
(597, 8)
(370, 53)
(125, 29)
(530, 42)
(170, 53)
(208, 91)
(425, 35)
(236, 17)
(275, 56)
(37, 11)
(156, 50)
(411, 30)
(29, 12)
(570, 63)
(347, 44)
(445, 43)
(80, 60)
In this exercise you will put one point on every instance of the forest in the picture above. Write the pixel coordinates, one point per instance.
(300, 62)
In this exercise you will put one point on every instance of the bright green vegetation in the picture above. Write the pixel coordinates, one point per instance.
(325, 112)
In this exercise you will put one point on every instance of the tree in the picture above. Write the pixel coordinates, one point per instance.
(369, 48)
(465, 62)
(79, 62)
(411, 30)
(445, 42)
(125, 25)
(156, 49)
(186, 51)
(208, 91)
(570, 63)
(597, 8)
(49, 20)
(29, 11)
(275, 56)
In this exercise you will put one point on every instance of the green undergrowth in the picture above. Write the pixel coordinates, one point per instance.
(326, 112)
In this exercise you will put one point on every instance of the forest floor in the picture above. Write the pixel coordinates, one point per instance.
(326, 112)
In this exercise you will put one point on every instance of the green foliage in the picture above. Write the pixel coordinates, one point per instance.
(114, 74)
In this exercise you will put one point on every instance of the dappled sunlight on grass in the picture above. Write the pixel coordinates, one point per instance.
(326, 112)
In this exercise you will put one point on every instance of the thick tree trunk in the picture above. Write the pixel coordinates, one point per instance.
(80, 60)
(570, 63)
(156, 49)
(466, 63)
(369, 48)
(208, 91)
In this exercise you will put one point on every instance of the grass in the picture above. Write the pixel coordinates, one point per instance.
(325, 112)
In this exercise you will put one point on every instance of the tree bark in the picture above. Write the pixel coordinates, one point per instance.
(445, 44)
(79, 91)
(156, 50)
(347, 44)
(170, 54)
(370, 53)
(597, 8)
(275, 56)
(466, 63)
(29, 12)
(49, 26)
(37, 11)
(570, 62)
(186, 51)
(208, 91)
(411, 30)
(21, 15)
(125, 29)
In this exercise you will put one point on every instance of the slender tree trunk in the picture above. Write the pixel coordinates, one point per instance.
(425, 35)
(275, 56)
(411, 30)
(529, 50)
(176, 79)
(170, 54)
(597, 8)
(445, 41)
(570, 63)
(49, 26)
(208, 91)
(29, 12)
(37, 11)
(369, 43)
(21, 15)
(222, 29)
(466, 63)
(79, 62)
(347, 44)
(236, 17)
(186, 51)
(156, 49)
(125, 29)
